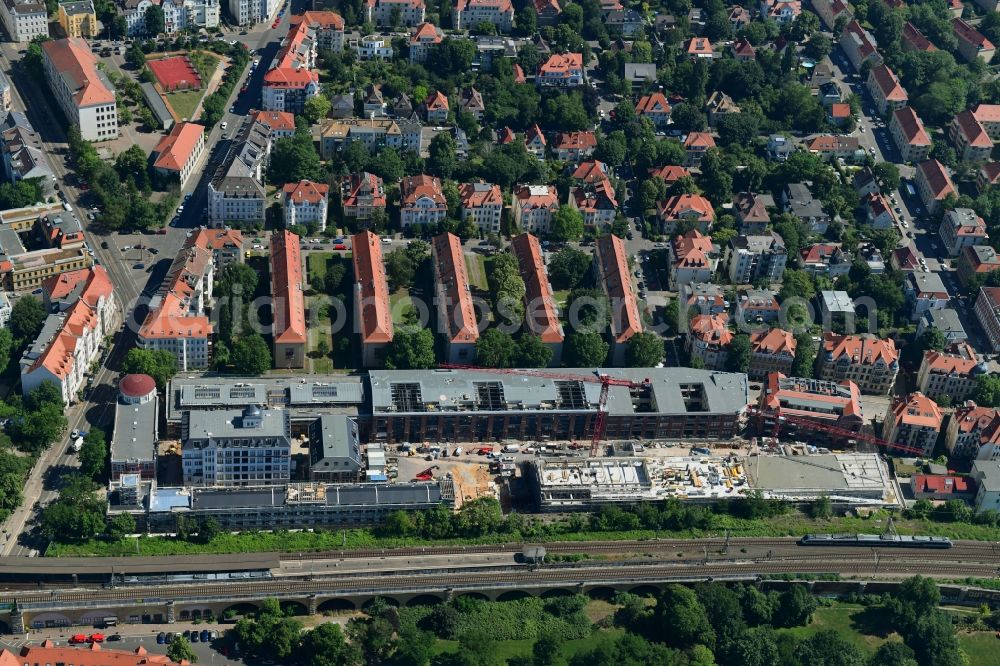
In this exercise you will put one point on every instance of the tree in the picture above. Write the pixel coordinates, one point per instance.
(796, 284)
(374, 637)
(46, 393)
(820, 507)
(26, 318)
(441, 160)
(547, 651)
(180, 648)
(93, 454)
(738, 358)
(567, 224)
(795, 607)
(722, 607)
(269, 636)
(507, 287)
(153, 20)
(532, 352)
(585, 350)
(120, 526)
(496, 349)
(568, 267)
(326, 645)
(987, 390)
(77, 515)
(755, 647)
(681, 619)
(933, 640)
(644, 350)
(805, 355)
(411, 351)
(250, 356)
(887, 175)
(159, 364)
(316, 108)
(893, 653)
(131, 165)
(294, 158)
(828, 648)
(688, 117)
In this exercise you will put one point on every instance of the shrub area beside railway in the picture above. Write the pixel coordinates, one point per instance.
(481, 522)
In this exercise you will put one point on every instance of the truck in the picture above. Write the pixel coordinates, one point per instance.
(77, 444)
(511, 448)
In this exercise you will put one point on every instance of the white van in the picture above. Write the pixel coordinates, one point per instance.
(77, 444)
(511, 448)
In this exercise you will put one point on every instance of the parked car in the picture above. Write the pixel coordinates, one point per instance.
(205, 636)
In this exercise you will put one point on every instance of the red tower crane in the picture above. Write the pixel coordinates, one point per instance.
(606, 382)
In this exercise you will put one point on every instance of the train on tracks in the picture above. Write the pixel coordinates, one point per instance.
(876, 540)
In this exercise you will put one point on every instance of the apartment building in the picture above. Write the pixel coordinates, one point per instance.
(280, 123)
(533, 206)
(692, 257)
(708, 339)
(696, 144)
(24, 19)
(361, 194)
(395, 13)
(23, 154)
(611, 263)
(421, 201)
(989, 174)
(751, 212)
(914, 40)
(236, 191)
(292, 78)
(422, 39)
(750, 258)
(574, 146)
(771, 350)
(78, 19)
(327, 29)
(374, 133)
(27, 271)
(866, 360)
(71, 339)
(82, 90)
(562, 70)
(685, 208)
(780, 11)
(288, 301)
(178, 153)
(655, 107)
(988, 116)
(971, 141)
(859, 46)
(453, 299)
(471, 102)
(878, 212)
(482, 203)
(913, 422)
(829, 146)
(988, 314)
(924, 292)
(971, 43)
(306, 203)
(248, 447)
(933, 184)
(136, 428)
(248, 12)
(335, 449)
(372, 47)
(830, 10)
(468, 14)
(372, 310)
(596, 202)
(974, 432)
(784, 401)
(885, 89)
(909, 135)
(177, 15)
(826, 259)
(177, 320)
(757, 306)
(961, 228)
(798, 199)
(951, 372)
(977, 259)
(541, 316)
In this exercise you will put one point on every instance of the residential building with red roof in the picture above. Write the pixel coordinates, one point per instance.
(562, 70)
(973, 432)
(534, 141)
(836, 404)
(699, 47)
(436, 108)
(590, 172)
(176, 321)
(866, 360)
(541, 315)
(859, 45)
(280, 123)
(532, 207)
(771, 350)
(519, 76)
(292, 78)
(574, 146)
(91, 655)
(692, 257)
(830, 146)
(942, 487)
(395, 12)
(989, 174)
(372, 309)
(306, 203)
(886, 89)
(505, 136)
(361, 194)
(743, 50)
(826, 259)
(751, 212)
(878, 211)
(611, 262)
(913, 421)
(976, 260)
(914, 40)
(289, 308)
(422, 38)
(933, 184)
(951, 372)
(81, 89)
(468, 14)
(696, 144)
(670, 173)
(708, 339)
(421, 200)
(327, 27)
(73, 336)
(685, 208)
(471, 102)
(757, 306)
(482, 203)
(961, 228)
(781, 11)
(988, 116)
(909, 135)
(177, 154)
(839, 113)
(904, 259)
(547, 12)
(596, 202)
(830, 10)
(971, 43)
(988, 314)
(456, 314)
(969, 137)
(655, 107)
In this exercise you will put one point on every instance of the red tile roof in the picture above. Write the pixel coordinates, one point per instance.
(320, 19)
(278, 121)
(840, 110)
(176, 148)
(679, 206)
(426, 33)
(477, 195)
(692, 250)
(305, 191)
(937, 178)
(967, 33)
(652, 103)
(612, 263)
(670, 173)
(916, 39)
(437, 102)
(73, 59)
(453, 279)
(287, 290)
(575, 141)
(916, 410)
(541, 314)
(562, 64)
(712, 329)
(413, 188)
(591, 171)
(371, 290)
(941, 485)
(699, 46)
(702, 140)
(91, 655)
(987, 113)
(974, 133)
(773, 341)
(888, 84)
(862, 349)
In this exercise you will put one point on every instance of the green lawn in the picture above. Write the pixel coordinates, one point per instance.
(507, 650)
(184, 103)
(477, 271)
(316, 263)
(848, 620)
(982, 648)
(561, 296)
(399, 304)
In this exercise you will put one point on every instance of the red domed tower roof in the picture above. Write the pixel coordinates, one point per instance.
(136, 386)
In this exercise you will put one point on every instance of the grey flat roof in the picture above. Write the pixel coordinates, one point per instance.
(227, 423)
(223, 498)
(457, 390)
(946, 320)
(156, 103)
(10, 242)
(831, 472)
(134, 435)
(335, 437)
(374, 494)
(837, 301)
(134, 565)
(331, 495)
(303, 397)
(987, 474)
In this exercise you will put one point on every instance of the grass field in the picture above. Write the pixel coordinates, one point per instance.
(399, 304)
(982, 648)
(184, 103)
(506, 650)
(477, 271)
(316, 263)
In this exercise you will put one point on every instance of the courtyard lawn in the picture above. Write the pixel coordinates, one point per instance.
(400, 303)
(184, 103)
(476, 268)
(316, 263)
